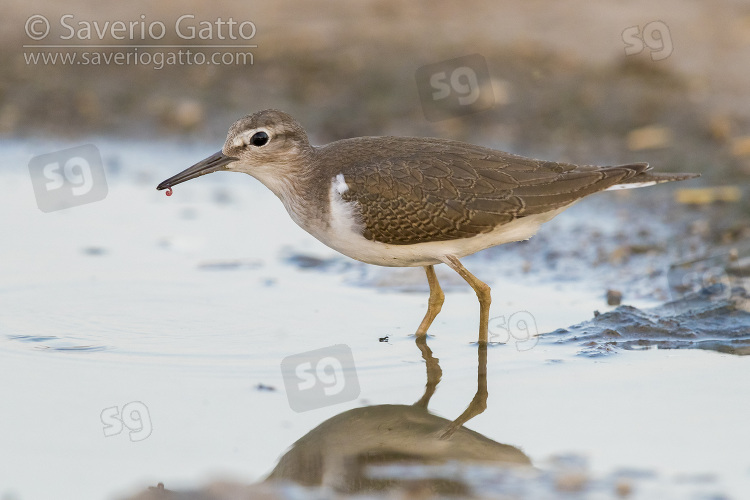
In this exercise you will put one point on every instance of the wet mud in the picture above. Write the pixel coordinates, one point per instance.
(715, 319)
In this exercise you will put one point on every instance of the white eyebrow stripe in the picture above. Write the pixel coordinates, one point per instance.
(243, 139)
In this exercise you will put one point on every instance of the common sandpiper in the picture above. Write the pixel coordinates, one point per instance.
(410, 201)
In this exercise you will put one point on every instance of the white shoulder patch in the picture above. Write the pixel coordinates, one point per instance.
(340, 185)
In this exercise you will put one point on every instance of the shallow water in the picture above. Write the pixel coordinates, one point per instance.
(181, 310)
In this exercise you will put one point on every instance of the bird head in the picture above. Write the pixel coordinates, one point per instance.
(269, 145)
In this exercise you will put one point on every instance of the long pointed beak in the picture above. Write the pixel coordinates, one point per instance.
(214, 163)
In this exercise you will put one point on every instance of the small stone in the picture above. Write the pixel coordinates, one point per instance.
(741, 146)
(720, 127)
(651, 137)
(623, 488)
(704, 196)
(573, 481)
(614, 297)
(188, 114)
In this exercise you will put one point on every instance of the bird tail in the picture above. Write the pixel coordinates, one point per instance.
(645, 177)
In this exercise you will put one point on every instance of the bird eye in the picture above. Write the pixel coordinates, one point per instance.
(259, 139)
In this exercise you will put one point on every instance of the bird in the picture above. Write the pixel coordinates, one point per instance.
(410, 201)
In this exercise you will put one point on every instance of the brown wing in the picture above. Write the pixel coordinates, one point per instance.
(438, 190)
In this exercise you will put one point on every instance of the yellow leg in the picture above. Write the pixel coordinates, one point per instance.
(483, 294)
(434, 304)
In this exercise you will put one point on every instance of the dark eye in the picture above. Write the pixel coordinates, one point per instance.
(259, 139)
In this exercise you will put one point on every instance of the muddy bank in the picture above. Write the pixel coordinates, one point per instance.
(714, 319)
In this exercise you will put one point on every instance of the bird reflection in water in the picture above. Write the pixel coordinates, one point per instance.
(380, 447)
